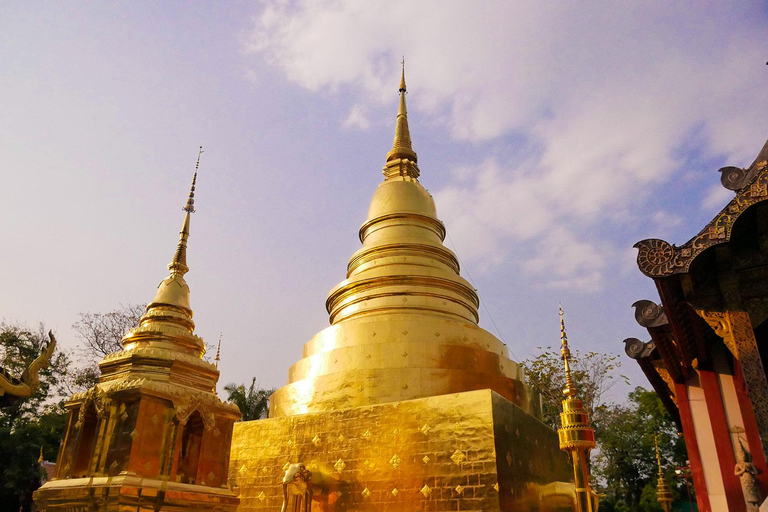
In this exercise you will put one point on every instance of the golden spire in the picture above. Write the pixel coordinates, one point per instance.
(218, 352)
(663, 490)
(576, 435)
(178, 266)
(570, 388)
(401, 147)
(40, 459)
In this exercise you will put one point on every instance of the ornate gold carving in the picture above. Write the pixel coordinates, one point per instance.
(657, 258)
(735, 328)
(395, 461)
(339, 466)
(458, 457)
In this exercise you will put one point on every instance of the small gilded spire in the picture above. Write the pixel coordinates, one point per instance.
(658, 454)
(178, 266)
(401, 147)
(218, 352)
(663, 490)
(565, 353)
(40, 458)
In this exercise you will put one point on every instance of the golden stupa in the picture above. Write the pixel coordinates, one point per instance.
(152, 434)
(403, 402)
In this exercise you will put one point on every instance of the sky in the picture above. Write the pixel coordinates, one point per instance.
(552, 135)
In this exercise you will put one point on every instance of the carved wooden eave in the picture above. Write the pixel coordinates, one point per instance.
(658, 258)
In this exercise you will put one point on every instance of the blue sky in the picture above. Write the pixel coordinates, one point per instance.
(552, 136)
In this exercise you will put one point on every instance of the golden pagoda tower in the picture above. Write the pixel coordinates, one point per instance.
(403, 402)
(577, 437)
(663, 490)
(152, 434)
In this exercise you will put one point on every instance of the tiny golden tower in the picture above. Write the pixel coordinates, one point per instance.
(576, 435)
(663, 490)
(152, 435)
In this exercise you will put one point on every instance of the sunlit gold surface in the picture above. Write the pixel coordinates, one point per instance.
(576, 435)
(464, 451)
(403, 322)
(152, 434)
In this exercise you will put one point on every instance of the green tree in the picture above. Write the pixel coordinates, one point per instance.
(625, 462)
(101, 334)
(253, 402)
(28, 425)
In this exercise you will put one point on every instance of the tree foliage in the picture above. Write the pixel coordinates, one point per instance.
(253, 402)
(32, 423)
(102, 333)
(626, 456)
(624, 464)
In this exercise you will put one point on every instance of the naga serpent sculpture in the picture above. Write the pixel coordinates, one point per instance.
(15, 388)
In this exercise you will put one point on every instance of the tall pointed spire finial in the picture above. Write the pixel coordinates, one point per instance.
(218, 352)
(663, 490)
(575, 433)
(178, 266)
(40, 458)
(565, 353)
(401, 147)
(658, 454)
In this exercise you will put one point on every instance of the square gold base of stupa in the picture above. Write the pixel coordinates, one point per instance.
(126, 492)
(466, 451)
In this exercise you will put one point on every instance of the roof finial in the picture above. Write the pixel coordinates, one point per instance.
(658, 454)
(401, 147)
(40, 459)
(218, 352)
(178, 266)
(402, 77)
(565, 353)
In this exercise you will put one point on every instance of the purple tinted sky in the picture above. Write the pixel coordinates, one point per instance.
(551, 138)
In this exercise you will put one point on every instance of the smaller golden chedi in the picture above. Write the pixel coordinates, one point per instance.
(577, 437)
(152, 434)
(663, 490)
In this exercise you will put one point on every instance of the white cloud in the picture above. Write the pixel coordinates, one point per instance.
(607, 95)
(357, 118)
(716, 198)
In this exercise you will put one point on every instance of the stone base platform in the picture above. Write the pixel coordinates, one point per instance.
(466, 451)
(126, 492)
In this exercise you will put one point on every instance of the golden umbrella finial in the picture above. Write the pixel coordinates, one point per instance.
(218, 352)
(178, 266)
(401, 147)
(576, 435)
(565, 353)
(663, 490)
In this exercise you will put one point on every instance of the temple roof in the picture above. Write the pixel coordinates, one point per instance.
(658, 258)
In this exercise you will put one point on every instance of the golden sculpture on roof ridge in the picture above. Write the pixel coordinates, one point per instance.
(576, 435)
(14, 388)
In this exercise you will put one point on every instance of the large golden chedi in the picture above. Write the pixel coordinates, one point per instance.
(403, 402)
(152, 435)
